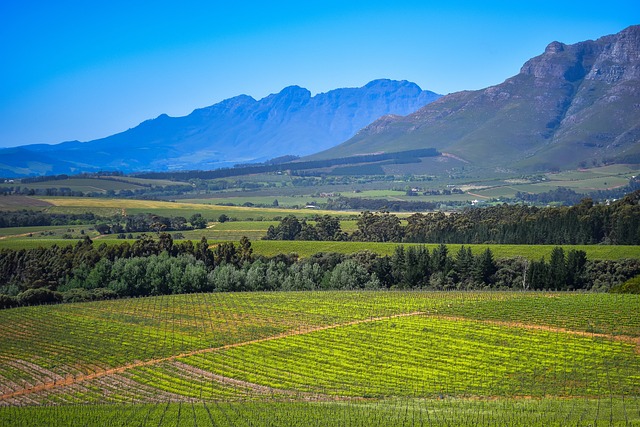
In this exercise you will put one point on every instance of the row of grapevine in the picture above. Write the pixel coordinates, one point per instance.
(388, 413)
(358, 355)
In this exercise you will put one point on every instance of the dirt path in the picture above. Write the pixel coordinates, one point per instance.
(14, 235)
(477, 195)
(453, 156)
(76, 379)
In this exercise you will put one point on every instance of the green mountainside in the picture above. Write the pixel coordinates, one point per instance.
(573, 106)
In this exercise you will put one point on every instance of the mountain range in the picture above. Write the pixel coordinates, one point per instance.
(573, 106)
(237, 130)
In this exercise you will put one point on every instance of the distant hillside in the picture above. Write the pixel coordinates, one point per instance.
(237, 130)
(574, 105)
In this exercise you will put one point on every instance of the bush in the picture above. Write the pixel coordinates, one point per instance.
(38, 296)
(103, 293)
(7, 301)
(631, 286)
(84, 295)
(350, 275)
(77, 295)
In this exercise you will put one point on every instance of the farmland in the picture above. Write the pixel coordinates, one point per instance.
(93, 185)
(387, 357)
(293, 192)
(334, 358)
(109, 207)
(34, 237)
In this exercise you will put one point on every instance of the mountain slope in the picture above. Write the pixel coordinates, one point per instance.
(239, 130)
(574, 105)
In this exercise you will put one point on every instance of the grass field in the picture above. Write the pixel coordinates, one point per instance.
(266, 200)
(108, 207)
(581, 181)
(325, 358)
(305, 249)
(40, 236)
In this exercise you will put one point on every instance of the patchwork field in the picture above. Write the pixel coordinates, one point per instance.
(108, 207)
(94, 185)
(325, 358)
(35, 237)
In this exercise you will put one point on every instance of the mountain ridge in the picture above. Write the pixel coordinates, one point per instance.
(568, 107)
(236, 130)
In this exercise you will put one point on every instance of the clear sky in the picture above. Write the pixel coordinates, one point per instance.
(87, 69)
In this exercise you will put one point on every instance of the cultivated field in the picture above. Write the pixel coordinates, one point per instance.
(325, 358)
(108, 207)
(94, 185)
(34, 237)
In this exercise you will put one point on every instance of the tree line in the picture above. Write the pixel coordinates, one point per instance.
(30, 218)
(151, 266)
(104, 225)
(249, 169)
(616, 223)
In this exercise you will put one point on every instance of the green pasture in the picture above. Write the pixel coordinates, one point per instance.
(232, 231)
(109, 207)
(29, 237)
(283, 201)
(35, 230)
(580, 181)
(617, 170)
(534, 252)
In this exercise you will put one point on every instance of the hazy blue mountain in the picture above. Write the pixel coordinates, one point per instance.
(237, 130)
(574, 105)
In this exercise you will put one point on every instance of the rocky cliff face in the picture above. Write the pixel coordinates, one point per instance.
(610, 59)
(237, 130)
(574, 105)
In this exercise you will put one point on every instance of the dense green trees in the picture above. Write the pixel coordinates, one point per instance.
(327, 227)
(586, 223)
(27, 218)
(159, 266)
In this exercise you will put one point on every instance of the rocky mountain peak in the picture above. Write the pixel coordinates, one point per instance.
(554, 47)
(611, 58)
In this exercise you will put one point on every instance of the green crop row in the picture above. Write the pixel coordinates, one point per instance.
(391, 413)
(426, 357)
(464, 343)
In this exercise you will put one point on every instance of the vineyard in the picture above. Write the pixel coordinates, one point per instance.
(325, 358)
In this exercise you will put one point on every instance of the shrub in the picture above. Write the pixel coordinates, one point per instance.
(631, 286)
(7, 301)
(38, 296)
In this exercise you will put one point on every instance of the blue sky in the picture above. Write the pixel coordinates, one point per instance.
(84, 70)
